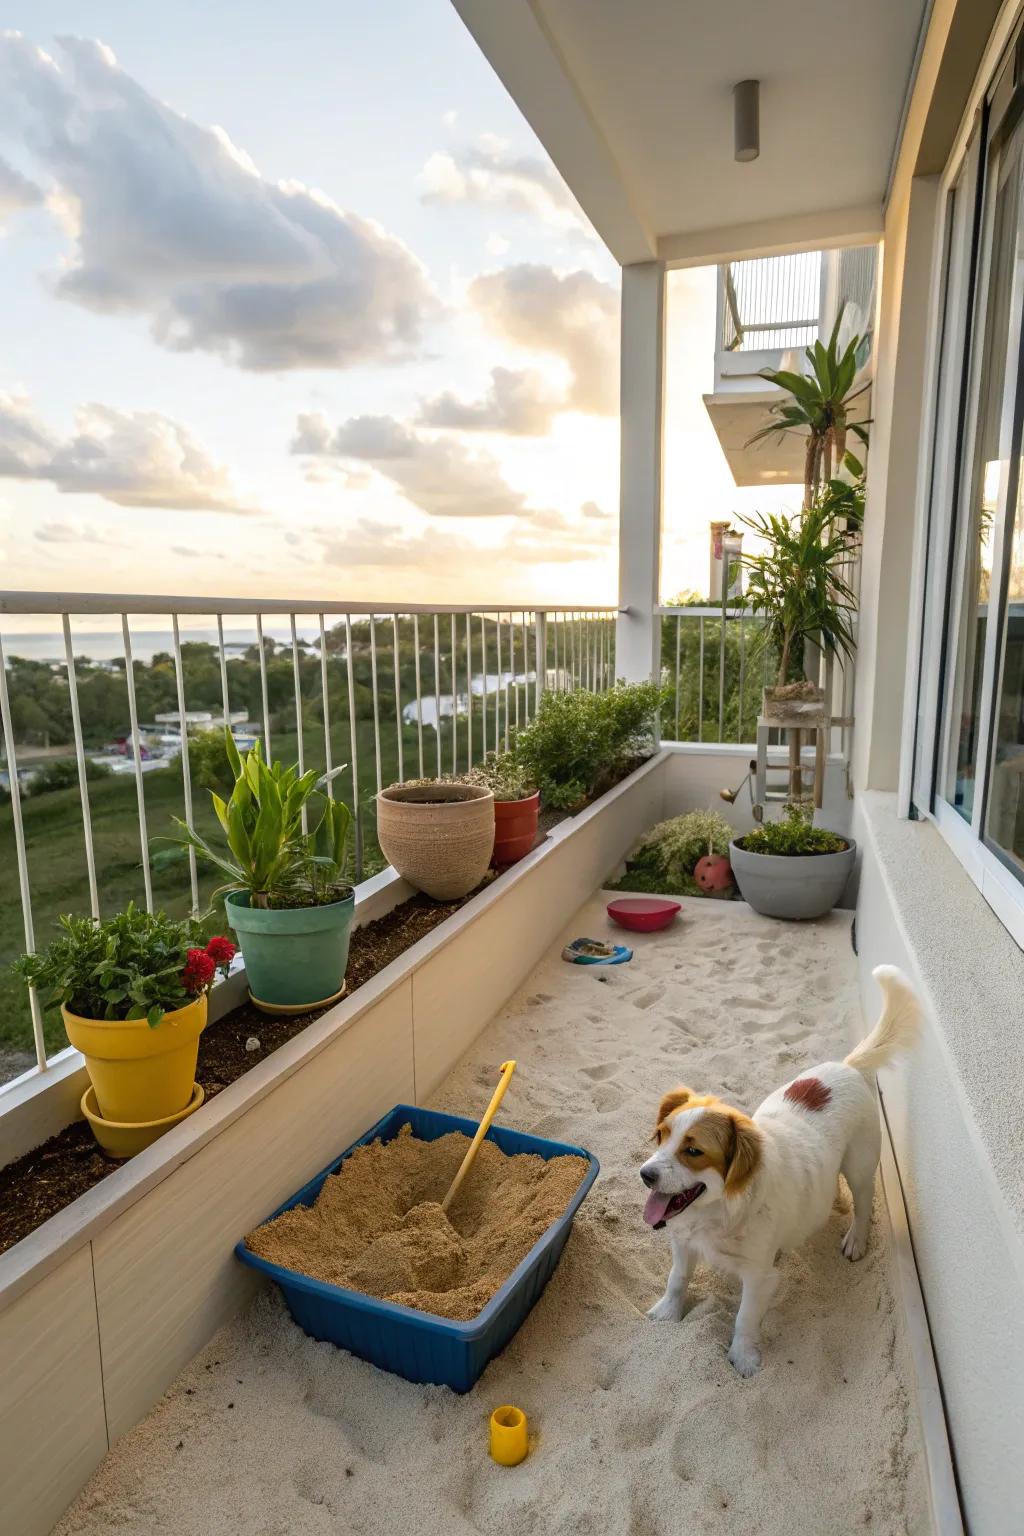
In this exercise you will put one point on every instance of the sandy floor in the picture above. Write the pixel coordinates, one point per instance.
(641, 1429)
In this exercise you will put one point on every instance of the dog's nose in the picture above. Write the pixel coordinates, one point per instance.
(649, 1176)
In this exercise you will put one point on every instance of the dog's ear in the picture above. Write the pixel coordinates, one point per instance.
(745, 1153)
(673, 1100)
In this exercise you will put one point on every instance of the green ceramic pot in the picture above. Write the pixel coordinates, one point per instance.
(294, 957)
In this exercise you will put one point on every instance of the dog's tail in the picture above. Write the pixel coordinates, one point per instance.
(898, 1028)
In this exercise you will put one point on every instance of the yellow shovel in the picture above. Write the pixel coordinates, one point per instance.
(507, 1068)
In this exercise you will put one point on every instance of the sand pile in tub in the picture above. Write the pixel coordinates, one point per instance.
(377, 1225)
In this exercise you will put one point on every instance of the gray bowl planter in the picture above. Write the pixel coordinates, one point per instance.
(794, 886)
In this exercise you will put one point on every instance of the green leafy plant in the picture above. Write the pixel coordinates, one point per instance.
(581, 743)
(794, 836)
(669, 851)
(504, 774)
(137, 965)
(795, 584)
(268, 853)
(816, 405)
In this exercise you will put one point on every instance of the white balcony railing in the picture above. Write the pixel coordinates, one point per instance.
(366, 695)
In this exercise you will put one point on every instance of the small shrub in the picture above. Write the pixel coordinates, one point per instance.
(137, 965)
(794, 836)
(671, 849)
(582, 743)
(63, 774)
(503, 773)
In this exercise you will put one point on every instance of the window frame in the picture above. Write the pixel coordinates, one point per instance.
(958, 310)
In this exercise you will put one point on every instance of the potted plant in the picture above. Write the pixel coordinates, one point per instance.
(286, 893)
(796, 585)
(580, 744)
(686, 855)
(133, 995)
(816, 405)
(516, 805)
(438, 834)
(791, 868)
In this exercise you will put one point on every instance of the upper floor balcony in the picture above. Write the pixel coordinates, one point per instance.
(769, 310)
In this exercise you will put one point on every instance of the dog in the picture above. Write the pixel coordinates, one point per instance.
(734, 1190)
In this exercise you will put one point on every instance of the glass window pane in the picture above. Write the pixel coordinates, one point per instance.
(1005, 820)
(965, 671)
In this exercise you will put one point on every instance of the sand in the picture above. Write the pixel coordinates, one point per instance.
(638, 1428)
(378, 1227)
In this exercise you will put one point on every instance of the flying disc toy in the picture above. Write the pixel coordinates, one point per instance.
(643, 913)
(595, 952)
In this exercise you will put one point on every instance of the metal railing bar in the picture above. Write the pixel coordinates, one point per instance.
(398, 696)
(22, 857)
(512, 661)
(526, 670)
(469, 690)
(376, 701)
(357, 810)
(455, 702)
(419, 698)
(679, 626)
(224, 693)
(186, 766)
(297, 685)
(437, 689)
(483, 684)
(325, 708)
(133, 716)
(263, 687)
(499, 690)
(743, 661)
(83, 781)
(700, 685)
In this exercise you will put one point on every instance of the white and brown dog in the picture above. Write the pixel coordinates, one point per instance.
(735, 1190)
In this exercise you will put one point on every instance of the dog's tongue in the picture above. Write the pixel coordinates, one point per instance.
(657, 1205)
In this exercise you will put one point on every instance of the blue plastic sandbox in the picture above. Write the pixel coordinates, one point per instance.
(418, 1345)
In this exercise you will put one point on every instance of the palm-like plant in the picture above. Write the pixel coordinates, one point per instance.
(795, 584)
(818, 407)
(268, 853)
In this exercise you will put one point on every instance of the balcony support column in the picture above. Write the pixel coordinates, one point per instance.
(642, 404)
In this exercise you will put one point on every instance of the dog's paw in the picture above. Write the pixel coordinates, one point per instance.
(745, 1359)
(666, 1310)
(854, 1246)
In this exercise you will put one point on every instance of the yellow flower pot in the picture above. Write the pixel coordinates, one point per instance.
(139, 1073)
(120, 1141)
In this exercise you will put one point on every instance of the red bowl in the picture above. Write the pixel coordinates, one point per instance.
(643, 914)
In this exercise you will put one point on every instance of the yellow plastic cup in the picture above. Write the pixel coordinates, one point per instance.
(508, 1435)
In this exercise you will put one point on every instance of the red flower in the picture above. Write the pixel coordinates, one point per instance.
(200, 969)
(220, 950)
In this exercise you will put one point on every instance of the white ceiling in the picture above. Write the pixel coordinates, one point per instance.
(633, 101)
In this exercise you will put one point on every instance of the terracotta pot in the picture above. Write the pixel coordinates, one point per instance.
(439, 837)
(515, 828)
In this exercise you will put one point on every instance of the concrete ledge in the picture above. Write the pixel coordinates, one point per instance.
(954, 1112)
(149, 1251)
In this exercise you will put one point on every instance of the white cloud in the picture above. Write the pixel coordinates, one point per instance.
(130, 458)
(74, 533)
(491, 174)
(518, 402)
(438, 475)
(172, 221)
(371, 544)
(497, 245)
(16, 191)
(573, 316)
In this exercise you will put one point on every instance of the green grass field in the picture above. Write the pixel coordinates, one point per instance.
(56, 850)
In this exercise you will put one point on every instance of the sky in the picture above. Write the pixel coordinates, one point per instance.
(299, 307)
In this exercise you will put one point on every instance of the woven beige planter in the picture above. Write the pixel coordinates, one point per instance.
(439, 837)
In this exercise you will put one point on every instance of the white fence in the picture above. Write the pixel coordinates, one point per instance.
(468, 675)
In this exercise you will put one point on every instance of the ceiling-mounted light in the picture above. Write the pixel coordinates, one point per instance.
(746, 102)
